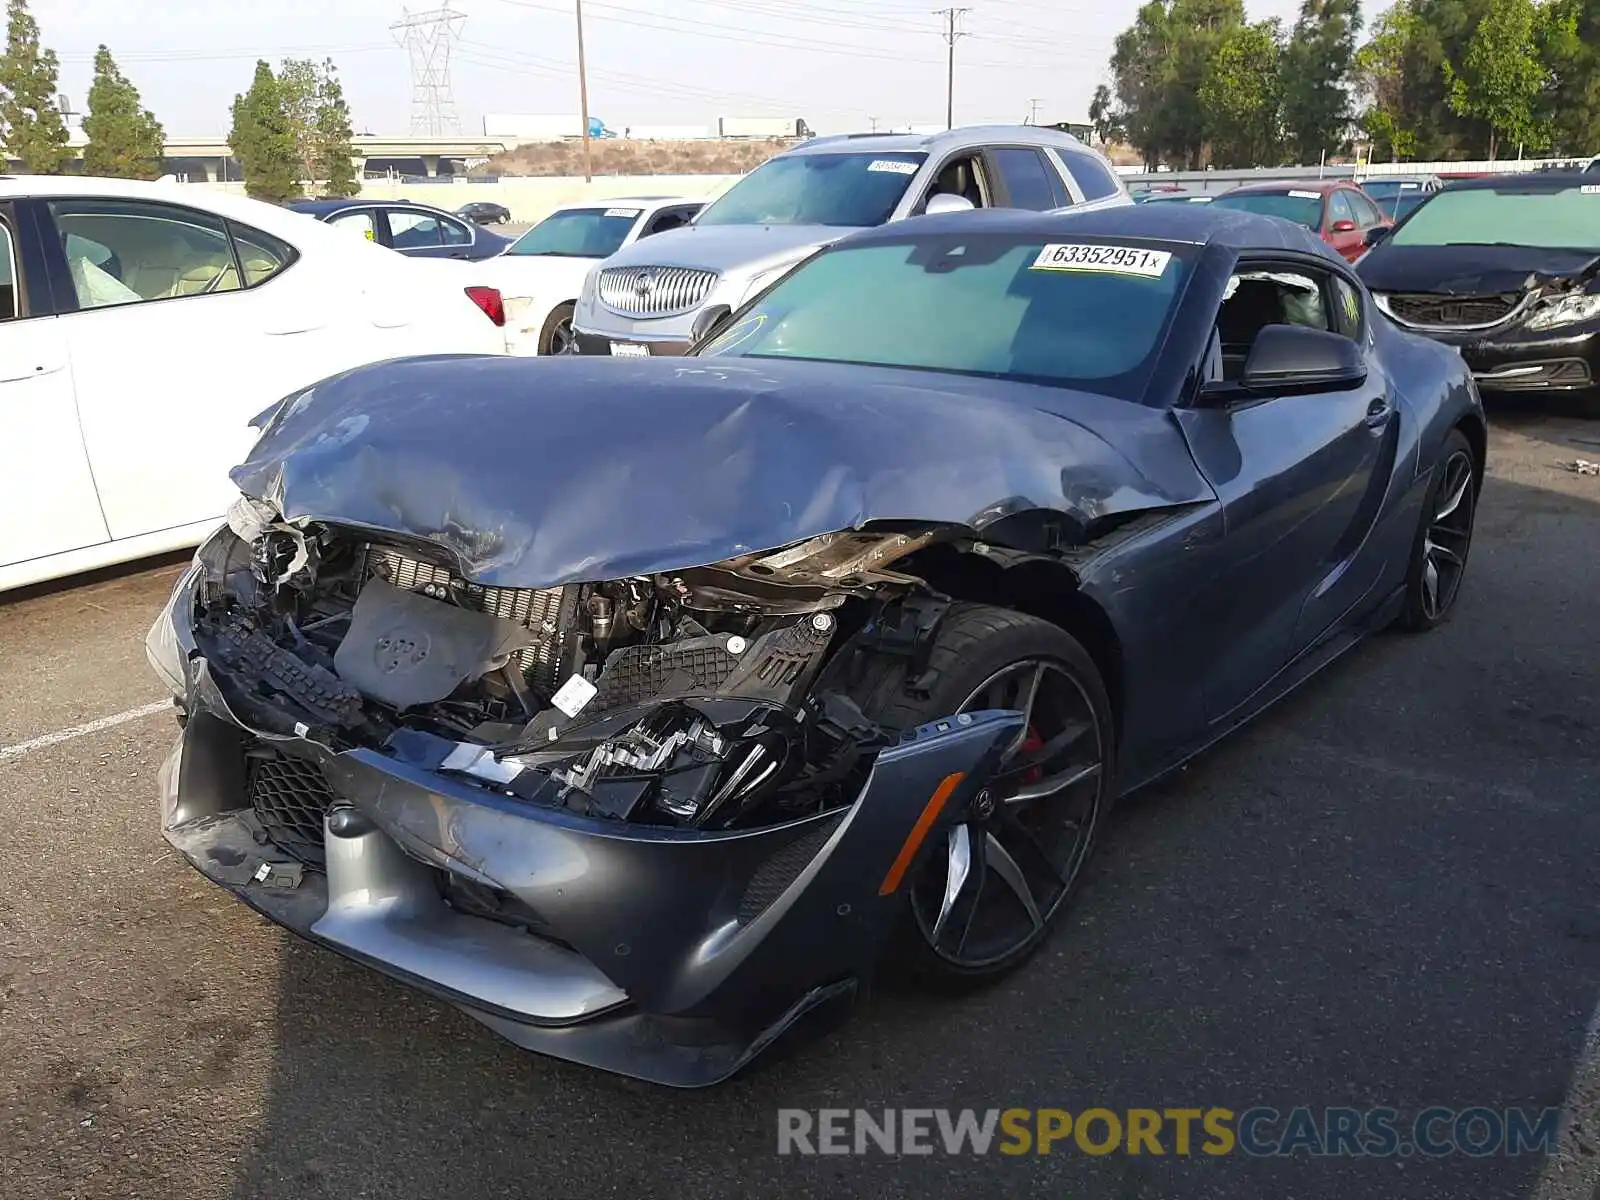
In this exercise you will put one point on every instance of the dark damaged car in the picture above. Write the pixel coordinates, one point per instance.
(1507, 270)
(645, 709)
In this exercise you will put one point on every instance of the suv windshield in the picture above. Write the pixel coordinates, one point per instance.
(1387, 192)
(1568, 219)
(578, 233)
(1071, 313)
(1301, 207)
(857, 190)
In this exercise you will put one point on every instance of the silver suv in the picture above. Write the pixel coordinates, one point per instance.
(644, 299)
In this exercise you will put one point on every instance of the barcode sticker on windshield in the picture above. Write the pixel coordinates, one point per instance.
(1306, 195)
(1115, 260)
(893, 167)
(622, 212)
(1589, 189)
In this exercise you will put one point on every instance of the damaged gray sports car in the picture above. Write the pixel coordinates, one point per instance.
(647, 709)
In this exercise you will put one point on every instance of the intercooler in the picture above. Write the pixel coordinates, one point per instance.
(548, 612)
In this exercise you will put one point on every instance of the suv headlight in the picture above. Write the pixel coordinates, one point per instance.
(591, 281)
(1568, 310)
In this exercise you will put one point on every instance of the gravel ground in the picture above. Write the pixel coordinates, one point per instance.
(1385, 892)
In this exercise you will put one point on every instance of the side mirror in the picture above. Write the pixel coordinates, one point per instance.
(708, 322)
(947, 202)
(1292, 358)
(1377, 233)
(1344, 227)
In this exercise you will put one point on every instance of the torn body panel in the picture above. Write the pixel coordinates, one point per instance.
(574, 470)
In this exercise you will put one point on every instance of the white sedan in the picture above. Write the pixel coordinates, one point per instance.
(542, 272)
(142, 326)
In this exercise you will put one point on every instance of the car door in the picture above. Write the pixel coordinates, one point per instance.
(178, 339)
(1300, 475)
(461, 239)
(47, 493)
(1341, 229)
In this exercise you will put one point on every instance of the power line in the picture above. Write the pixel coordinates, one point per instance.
(429, 38)
(951, 36)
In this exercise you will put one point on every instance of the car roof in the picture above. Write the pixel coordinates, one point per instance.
(1522, 181)
(945, 139)
(1194, 224)
(626, 201)
(1321, 186)
(320, 208)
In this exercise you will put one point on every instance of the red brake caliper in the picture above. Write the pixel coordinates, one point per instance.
(1029, 744)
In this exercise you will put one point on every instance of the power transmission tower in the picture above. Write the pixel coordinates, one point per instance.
(429, 38)
(1033, 111)
(951, 36)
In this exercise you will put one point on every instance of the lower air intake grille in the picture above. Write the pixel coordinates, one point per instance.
(1451, 312)
(539, 610)
(290, 798)
(773, 877)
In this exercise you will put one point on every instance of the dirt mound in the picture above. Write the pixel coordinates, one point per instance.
(634, 157)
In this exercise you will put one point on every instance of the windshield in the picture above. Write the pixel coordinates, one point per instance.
(857, 190)
(1303, 208)
(578, 233)
(1071, 313)
(1550, 220)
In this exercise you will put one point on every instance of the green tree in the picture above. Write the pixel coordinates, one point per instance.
(1500, 77)
(1158, 66)
(1242, 97)
(263, 140)
(333, 160)
(33, 128)
(1104, 117)
(1568, 37)
(125, 140)
(1316, 76)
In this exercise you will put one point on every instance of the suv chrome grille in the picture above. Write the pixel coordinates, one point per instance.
(654, 291)
(1450, 312)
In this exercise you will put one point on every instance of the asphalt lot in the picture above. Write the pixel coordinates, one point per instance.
(1384, 893)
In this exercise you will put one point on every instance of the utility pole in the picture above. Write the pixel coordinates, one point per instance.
(583, 96)
(951, 36)
(1033, 111)
(873, 121)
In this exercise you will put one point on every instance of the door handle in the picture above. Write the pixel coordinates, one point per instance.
(1379, 412)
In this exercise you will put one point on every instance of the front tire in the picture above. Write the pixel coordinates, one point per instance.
(1444, 538)
(996, 884)
(556, 337)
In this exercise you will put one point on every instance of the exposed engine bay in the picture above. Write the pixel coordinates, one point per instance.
(711, 698)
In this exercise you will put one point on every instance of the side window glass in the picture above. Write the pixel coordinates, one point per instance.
(1339, 209)
(1347, 308)
(260, 254)
(456, 234)
(358, 222)
(410, 230)
(1027, 178)
(124, 252)
(1094, 180)
(1374, 215)
(960, 177)
(1258, 297)
(8, 275)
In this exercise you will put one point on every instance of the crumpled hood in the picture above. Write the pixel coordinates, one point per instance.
(536, 473)
(724, 247)
(1470, 270)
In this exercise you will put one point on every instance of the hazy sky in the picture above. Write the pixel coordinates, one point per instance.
(834, 62)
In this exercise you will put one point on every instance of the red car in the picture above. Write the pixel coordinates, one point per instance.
(1340, 213)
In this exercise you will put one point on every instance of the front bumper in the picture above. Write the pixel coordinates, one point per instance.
(668, 955)
(1562, 360)
(590, 342)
